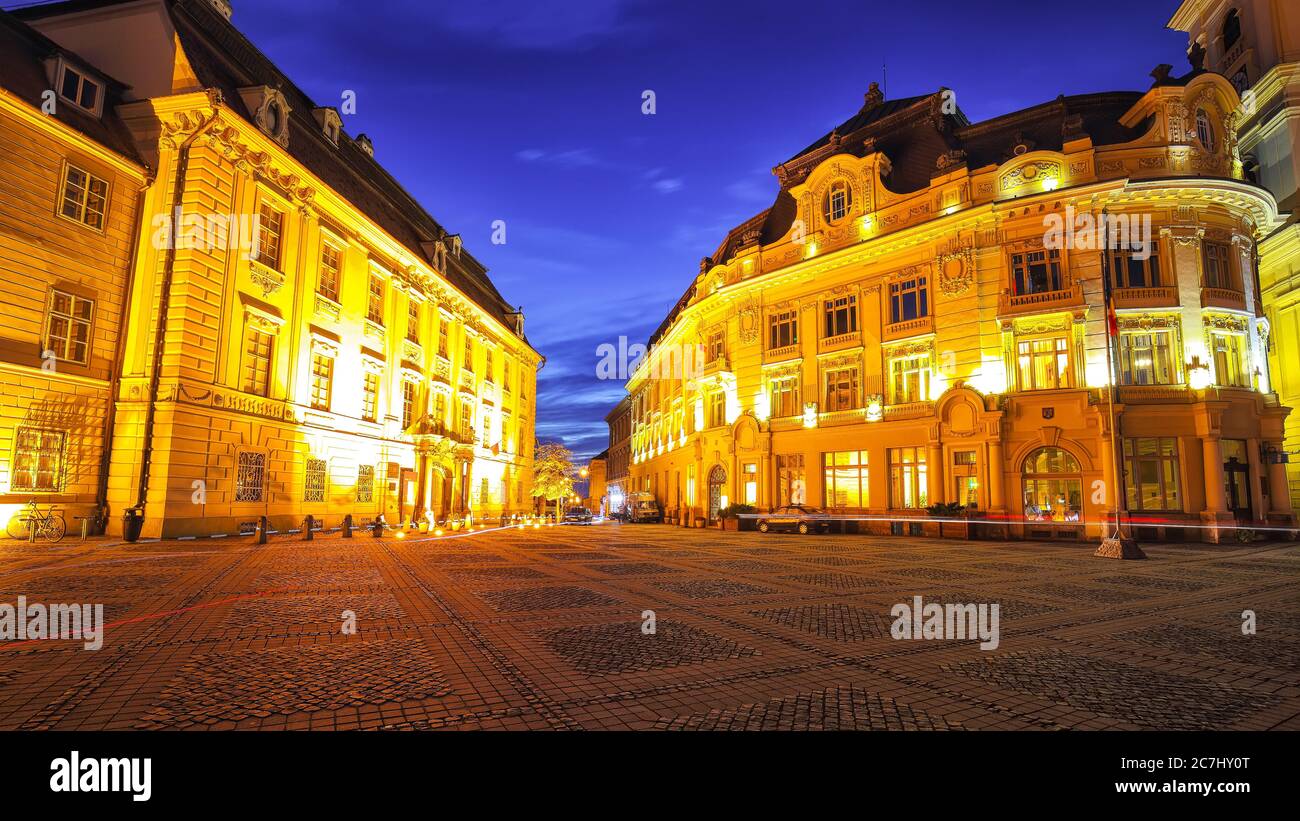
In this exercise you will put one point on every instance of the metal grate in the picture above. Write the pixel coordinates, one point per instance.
(314, 482)
(251, 477)
(38, 460)
(365, 483)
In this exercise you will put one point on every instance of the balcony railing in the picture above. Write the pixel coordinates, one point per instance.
(909, 410)
(909, 327)
(835, 343)
(1157, 297)
(1223, 298)
(1154, 394)
(779, 354)
(1042, 301)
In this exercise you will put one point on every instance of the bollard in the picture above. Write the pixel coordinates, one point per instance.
(347, 526)
(85, 529)
(33, 525)
(307, 525)
(261, 530)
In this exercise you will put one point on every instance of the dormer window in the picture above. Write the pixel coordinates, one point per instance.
(330, 122)
(1204, 130)
(838, 201)
(270, 111)
(78, 88)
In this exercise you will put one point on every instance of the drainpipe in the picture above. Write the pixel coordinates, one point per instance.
(115, 381)
(155, 378)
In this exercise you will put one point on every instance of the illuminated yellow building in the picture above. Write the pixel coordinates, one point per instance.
(920, 318)
(1256, 44)
(68, 217)
(302, 337)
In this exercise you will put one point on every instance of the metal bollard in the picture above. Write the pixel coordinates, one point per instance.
(308, 524)
(262, 526)
(347, 526)
(85, 529)
(32, 526)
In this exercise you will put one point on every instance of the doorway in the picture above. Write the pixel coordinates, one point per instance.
(717, 498)
(1236, 480)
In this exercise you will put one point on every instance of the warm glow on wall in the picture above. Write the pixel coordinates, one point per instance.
(992, 376)
(810, 415)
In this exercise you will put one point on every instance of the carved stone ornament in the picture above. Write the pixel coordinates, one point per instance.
(956, 271)
(747, 315)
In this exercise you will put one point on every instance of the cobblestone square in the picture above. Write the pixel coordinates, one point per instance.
(546, 628)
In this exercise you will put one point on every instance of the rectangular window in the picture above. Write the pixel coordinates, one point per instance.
(331, 263)
(439, 408)
(844, 479)
(466, 418)
(85, 197)
(257, 361)
(80, 90)
(783, 329)
(442, 339)
(67, 327)
(250, 477)
(907, 479)
(909, 379)
(841, 316)
(785, 397)
(1229, 360)
(505, 376)
(322, 381)
(791, 480)
(717, 347)
(1216, 258)
(909, 299)
(370, 396)
(365, 483)
(375, 300)
(270, 230)
(468, 362)
(1044, 364)
(1151, 467)
(841, 389)
(408, 403)
(1147, 358)
(37, 460)
(413, 320)
(314, 479)
(1129, 270)
(488, 365)
(1037, 272)
(717, 409)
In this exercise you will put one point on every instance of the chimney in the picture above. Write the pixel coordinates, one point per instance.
(363, 142)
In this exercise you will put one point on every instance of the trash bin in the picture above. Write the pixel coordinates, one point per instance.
(132, 523)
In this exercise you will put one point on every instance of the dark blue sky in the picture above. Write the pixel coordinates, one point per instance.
(530, 112)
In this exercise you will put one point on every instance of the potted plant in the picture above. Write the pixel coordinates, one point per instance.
(729, 516)
(952, 510)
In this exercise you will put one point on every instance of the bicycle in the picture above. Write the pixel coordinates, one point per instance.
(49, 525)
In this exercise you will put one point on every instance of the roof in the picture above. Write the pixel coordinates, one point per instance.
(24, 52)
(914, 133)
(226, 60)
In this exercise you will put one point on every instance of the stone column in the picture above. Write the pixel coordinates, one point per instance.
(935, 473)
(1216, 501)
(997, 478)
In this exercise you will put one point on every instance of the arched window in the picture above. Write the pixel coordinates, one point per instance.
(1053, 486)
(1231, 29)
(838, 201)
(1204, 130)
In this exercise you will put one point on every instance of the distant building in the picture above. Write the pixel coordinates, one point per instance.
(297, 334)
(597, 500)
(921, 317)
(619, 460)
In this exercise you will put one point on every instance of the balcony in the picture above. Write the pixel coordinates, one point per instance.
(909, 410)
(1042, 302)
(1229, 298)
(1154, 394)
(840, 342)
(781, 354)
(1157, 297)
(909, 327)
(716, 366)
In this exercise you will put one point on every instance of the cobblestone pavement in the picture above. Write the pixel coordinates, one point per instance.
(542, 628)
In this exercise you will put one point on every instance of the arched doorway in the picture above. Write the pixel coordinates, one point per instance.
(717, 491)
(1053, 493)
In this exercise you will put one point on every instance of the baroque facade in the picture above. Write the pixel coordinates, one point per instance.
(922, 317)
(1256, 45)
(301, 337)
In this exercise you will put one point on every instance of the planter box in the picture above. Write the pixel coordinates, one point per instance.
(729, 524)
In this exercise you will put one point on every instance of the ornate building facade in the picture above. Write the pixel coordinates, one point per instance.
(302, 337)
(619, 422)
(1256, 44)
(922, 317)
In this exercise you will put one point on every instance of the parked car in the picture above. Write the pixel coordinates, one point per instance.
(642, 507)
(577, 516)
(797, 518)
